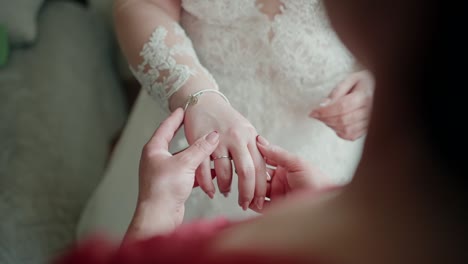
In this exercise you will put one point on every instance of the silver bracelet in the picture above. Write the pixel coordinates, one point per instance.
(193, 98)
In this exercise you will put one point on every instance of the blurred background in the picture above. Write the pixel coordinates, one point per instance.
(65, 92)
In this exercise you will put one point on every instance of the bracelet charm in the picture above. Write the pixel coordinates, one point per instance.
(193, 98)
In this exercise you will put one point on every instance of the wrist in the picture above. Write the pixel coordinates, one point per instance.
(209, 99)
(179, 98)
(153, 218)
(204, 98)
(155, 207)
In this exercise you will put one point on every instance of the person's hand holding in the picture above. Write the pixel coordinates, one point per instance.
(166, 180)
(289, 175)
(237, 140)
(347, 109)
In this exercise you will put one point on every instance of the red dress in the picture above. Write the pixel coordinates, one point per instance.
(188, 244)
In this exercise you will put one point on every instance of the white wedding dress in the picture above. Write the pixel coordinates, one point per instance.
(274, 72)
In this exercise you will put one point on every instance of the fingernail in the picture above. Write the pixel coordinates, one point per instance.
(259, 202)
(213, 137)
(245, 206)
(325, 102)
(226, 194)
(210, 194)
(262, 141)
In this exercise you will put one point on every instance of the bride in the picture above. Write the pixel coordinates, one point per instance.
(242, 68)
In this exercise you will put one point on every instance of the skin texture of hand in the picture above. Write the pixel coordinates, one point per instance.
(290, 174)
(347, 109)
(237, 139)
(166, 178)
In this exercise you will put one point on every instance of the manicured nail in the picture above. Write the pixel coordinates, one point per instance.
(259, 202)
(245, 206)
(325, 102)
(212, 137)
(262, 141)
(226, 194)
(210, 194)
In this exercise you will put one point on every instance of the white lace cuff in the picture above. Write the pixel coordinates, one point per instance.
(169, 60)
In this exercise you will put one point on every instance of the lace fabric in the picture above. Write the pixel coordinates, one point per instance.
(274, 68)
(169, 60)
(297, 45)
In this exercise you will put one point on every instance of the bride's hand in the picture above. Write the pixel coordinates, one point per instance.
(237, 140)
(347, 108)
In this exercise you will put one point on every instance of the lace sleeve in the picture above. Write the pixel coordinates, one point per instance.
(169, 61)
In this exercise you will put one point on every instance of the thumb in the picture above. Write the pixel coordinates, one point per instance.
(277, 156)
(344, 87)
(200, 150)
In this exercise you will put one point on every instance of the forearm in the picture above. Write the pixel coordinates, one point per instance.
(152, 219)
(160, 54)
(135, 20)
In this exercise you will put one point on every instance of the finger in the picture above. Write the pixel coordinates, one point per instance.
(266, 206)
(273, 189)
(260, 175)
(358, 135)
(177, 152)
(353, 128)
(270, 162)
(344, 87)
(213, 175)
(347, 119)
(277, 155)
(254, 206)
(246, 172)
(342, 106)
(366, 83)
(204, 179)
(354, 131)
(223, 168)
(200, 150)
(166, 130)
(278, 187)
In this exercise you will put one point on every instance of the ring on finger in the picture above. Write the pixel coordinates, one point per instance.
(268, 176)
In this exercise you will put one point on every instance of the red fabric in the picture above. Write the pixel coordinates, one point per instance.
(188, 244)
